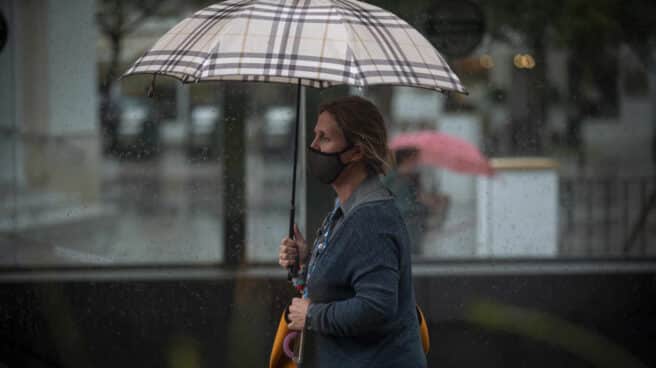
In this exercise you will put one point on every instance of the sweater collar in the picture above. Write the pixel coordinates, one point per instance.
(370, 190)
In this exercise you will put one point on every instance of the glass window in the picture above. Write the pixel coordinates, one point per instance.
(95, 172)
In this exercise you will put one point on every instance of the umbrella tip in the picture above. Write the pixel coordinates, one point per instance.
(151, 89)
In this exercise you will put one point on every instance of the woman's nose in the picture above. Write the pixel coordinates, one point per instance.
(315, 144)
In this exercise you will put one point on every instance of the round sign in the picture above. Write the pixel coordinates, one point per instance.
(454, 27)
(4, 31)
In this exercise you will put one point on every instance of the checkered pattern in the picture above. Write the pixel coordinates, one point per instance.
(321, 42)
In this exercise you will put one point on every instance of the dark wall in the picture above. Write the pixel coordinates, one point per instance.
(477, 320)
(571, 320)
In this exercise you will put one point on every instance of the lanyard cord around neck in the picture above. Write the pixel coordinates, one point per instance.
(322, 243)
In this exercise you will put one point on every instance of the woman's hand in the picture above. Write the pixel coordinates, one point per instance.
(290, 248)
(298, 313)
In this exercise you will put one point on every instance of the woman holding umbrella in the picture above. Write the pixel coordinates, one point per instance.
(359, 304)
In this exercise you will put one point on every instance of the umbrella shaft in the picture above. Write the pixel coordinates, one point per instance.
(298, 349)
(293, 270)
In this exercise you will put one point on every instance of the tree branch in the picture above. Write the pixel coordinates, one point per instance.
(113, 10)
(104, 26)
(146, 11)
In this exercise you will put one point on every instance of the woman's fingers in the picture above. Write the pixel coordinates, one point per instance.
(288, 253)
(293, 307)
(291, 249)
(288, 242)
(286, 261)
(295, 322)
(297, 313)
(298, 235)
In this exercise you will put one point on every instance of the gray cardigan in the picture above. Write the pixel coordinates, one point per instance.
(363, 302)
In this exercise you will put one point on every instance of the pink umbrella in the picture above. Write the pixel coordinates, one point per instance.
(443, 150)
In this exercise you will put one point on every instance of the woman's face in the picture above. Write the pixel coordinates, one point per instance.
(328, 137)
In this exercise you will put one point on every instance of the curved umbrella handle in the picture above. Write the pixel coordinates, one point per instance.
(287, 344)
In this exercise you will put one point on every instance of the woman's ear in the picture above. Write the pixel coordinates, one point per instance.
(357, 153)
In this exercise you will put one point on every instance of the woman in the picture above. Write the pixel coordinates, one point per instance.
(360, 304)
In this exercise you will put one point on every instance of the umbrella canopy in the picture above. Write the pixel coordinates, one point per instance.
(443, 150)
(318, 43)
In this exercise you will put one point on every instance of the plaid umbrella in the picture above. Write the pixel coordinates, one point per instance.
(317, 43)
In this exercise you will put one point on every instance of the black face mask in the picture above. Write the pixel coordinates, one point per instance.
(325, 166)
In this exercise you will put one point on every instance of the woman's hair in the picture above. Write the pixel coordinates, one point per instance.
(362, 124)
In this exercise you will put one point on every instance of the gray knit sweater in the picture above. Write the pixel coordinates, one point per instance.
(363, 302)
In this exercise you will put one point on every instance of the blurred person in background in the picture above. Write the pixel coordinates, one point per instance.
(404, 182)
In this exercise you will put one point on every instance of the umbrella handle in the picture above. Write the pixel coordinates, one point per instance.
(287, 344)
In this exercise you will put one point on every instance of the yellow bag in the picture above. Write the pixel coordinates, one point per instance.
(278, 359)
(423, 330)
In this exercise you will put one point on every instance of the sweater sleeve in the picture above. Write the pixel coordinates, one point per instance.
(373, 269)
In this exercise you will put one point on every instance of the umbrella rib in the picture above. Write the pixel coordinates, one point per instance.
(287, 25)
(323, 49)
(286, 37)
(378, 32)
(272, 40)
(455, 84)
(297, 39)
(206, 65)
(421, 56)
(193, 38)
(362, 79)
(243, 42)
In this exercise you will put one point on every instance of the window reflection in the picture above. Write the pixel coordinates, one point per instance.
(94, 172)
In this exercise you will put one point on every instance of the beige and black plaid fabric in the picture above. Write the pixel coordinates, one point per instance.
(321, 42)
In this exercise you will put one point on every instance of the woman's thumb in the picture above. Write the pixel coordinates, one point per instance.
(298, 235)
